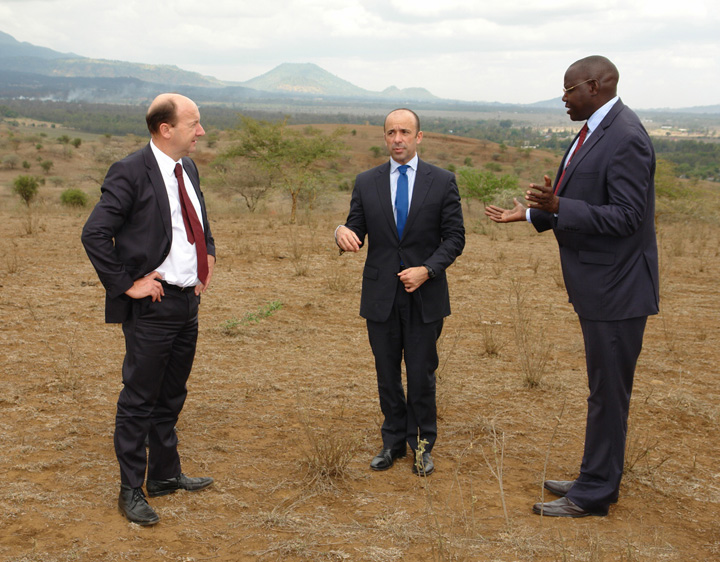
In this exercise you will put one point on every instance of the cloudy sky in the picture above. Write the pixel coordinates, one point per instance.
(668, 53)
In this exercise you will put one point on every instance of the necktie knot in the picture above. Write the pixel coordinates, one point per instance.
(403, 169)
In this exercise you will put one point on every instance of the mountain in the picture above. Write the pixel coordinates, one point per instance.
(23, 63)
(305, 78)
(11, 48)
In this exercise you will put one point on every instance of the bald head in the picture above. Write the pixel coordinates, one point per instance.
(603, 71)
(174, 123)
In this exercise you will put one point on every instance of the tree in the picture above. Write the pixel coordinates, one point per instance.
(26, 187)
(290, 159)
(46, 165)
(482, 185)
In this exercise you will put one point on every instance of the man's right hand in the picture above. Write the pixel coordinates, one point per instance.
(347, 239)
(147, 287)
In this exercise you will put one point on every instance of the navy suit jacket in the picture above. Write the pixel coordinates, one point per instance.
(129, 232)
(434, 235)
(605, 225)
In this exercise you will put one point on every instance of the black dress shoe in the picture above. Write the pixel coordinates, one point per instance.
(385, 458)
(423, 466)
(562, 487)
(134, 506)
(563, 508)
(558, 487)
(163, 487)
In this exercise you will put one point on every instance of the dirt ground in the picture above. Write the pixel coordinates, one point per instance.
(265, 394)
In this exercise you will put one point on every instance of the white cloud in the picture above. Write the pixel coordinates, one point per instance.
(513, 51)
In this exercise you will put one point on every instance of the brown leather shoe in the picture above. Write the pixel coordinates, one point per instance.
(563, 508)
(385, 458)
(558, 487)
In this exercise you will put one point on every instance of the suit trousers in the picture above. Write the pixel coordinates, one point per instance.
(405, 336)
(160, 341)
(612, 349)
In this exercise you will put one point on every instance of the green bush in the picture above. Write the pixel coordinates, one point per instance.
(73, 198)
(26, 187)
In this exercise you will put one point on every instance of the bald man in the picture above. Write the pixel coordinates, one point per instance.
(150, 242)
(601, 209)
(410, 212)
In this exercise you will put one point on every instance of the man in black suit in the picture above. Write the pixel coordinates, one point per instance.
(150, 242)
(411, 214)
(601, 209)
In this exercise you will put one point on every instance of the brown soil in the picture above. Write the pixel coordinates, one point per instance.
(264, 395)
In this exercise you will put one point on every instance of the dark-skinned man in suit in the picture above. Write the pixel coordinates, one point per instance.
(150, 242)
(410, 212)
(601, 210)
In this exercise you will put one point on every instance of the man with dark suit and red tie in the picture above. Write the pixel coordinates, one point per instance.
(411, 214)
(602, 211)
(150, 242)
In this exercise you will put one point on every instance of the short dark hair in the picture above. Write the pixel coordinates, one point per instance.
(417, 119)
(162, 112)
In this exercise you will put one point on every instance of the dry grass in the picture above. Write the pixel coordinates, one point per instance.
(291, 401)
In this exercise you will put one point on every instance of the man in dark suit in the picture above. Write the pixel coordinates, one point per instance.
(601, 210)
(154, 257)
(411, 214)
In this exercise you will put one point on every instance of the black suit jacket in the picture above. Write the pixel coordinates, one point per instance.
(434, 235)
(129, 232)
(605, 225)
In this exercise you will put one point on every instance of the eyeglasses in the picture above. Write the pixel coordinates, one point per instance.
(571, 88)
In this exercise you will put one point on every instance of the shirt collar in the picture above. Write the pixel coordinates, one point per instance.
(413, 164)
(165, 163)
(597, 117)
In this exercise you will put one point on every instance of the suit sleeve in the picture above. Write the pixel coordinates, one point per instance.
(105, 221)
(356, 216)
(452, 230)
(629, 179)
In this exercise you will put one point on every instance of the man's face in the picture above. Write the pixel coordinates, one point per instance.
(577, 96)
(186, 131)
(402, 136)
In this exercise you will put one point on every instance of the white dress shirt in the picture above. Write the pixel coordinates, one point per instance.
(395, 174)
(180, 266)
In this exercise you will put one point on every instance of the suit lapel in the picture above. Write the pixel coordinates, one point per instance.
(423, 179)
(382, 185)
(158, 185)
(588, 145)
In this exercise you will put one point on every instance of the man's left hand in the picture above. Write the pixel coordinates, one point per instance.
(542, 197)
(200, 288)
(413, 277)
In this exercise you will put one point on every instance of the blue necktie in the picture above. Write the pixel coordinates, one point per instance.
(401, 199)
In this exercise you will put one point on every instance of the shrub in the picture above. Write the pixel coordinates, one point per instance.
(26, 187)
(73, 198)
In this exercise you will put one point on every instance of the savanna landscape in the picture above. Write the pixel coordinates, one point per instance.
(282, 408)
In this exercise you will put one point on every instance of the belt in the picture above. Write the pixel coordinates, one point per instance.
(177, 288)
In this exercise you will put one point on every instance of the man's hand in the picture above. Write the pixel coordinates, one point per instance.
(200, 288)
(497, 214)
(347, 239)
(543, 197)
(147, 287)
(413, 277)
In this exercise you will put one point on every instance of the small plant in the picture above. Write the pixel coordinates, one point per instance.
(230, 326)
(376, 150)
(26, 187)
(533, 352)
(46, 165)
(73, 198)
(76, 142)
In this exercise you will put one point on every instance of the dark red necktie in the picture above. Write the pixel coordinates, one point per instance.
(193, 228)
(581, 140)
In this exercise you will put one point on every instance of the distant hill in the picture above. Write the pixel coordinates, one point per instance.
(29, 71)
(288, 79)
